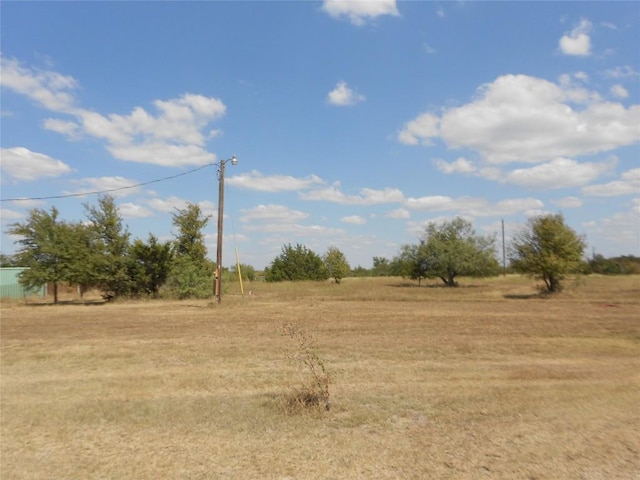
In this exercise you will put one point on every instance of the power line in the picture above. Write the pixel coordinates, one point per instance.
(98, 192)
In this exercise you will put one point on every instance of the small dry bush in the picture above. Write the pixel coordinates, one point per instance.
(314, 393)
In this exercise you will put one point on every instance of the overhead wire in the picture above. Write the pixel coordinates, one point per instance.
(99, 192)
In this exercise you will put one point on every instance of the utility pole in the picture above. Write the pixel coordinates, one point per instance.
(217, 287)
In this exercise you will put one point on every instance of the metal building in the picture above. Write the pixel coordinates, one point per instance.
(11, 288)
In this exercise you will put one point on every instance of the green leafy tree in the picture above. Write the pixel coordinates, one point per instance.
(411, 262)
(8, 260)
(452, 249)
(336, 264)
(547, 249)
(152, 264)
(47, 248)
(381, 267)
(191, 272)
(296, 263)
(110, 248)
(248, 273)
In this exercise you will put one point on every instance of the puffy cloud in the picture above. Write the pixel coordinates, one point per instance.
(168, 205)
(559, 173)
(343, 96)
(69, 129)
(518, 118)
(115, 186)
(568, 202)
(272, 183)
(50, 89)
(23, 164)
(272, 213)
(171, 136)
(623, 72)
(359, 11)
(629, 184)
(619, 91)
(131, 210)
(474, 207)
(577, 42)
(399, 213)
(367, 196)
(7, 214)
(420, 130)
(354, 220)
(461, 165)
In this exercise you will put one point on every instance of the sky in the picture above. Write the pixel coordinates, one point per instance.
(355, 124)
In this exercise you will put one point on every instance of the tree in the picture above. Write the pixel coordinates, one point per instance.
(8, 260)
(110, 247)
(47, 249)
(152, 264)
(452, 249)
(296, 263)
(547, 249)
(410, 263)
(191, 272)
(336, 264)
(381, 267)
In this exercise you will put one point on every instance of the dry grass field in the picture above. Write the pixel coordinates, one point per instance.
(484, 381)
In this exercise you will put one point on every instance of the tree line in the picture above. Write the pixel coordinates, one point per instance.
(98, 253)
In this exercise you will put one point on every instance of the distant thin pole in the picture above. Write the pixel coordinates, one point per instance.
(504, 252)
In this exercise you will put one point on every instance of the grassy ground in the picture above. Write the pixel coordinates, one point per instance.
(483, 381)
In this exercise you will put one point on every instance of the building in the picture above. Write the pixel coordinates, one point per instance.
(11, 288)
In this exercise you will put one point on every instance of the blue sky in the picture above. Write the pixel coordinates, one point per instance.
(355, 124)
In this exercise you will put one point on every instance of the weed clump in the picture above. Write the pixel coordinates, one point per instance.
(314, 393)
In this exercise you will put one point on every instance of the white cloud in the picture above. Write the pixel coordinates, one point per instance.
(473, 207)
(359, 11)
(577, 42)
(461, 165)
(272, 183)
(367, 196)
(629, 184)
(623, 72)
(568, 202)
(343, 96)
(294, 229)
(50, 89)
(272, 213)
(69, 129)
(114, 186)
(168, 205)
(559, 173)
(29, 203)
(622, 229)
(619, 91)
(131, 210)
(420, 130)
(171, 137)
(518, 118)
(23, 164)
(399, 213)
(431, 203)
(354, 220)
(7, 214)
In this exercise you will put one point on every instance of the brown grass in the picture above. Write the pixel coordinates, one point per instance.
(483, 381)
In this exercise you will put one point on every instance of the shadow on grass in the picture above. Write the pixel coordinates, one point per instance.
(78, 303)
(522, 296)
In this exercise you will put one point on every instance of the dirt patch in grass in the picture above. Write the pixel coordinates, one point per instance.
(466, 383)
